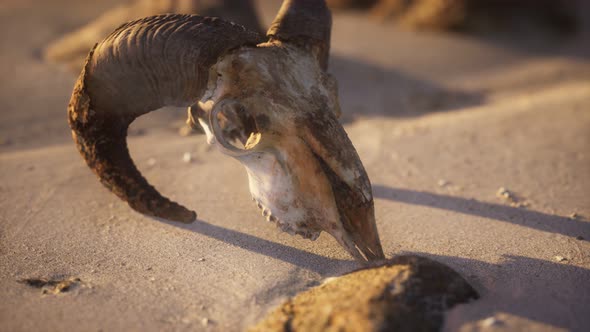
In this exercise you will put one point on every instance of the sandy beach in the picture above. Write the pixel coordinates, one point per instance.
(478, 150)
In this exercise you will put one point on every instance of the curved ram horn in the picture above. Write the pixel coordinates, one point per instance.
(142, 66)
(306, 23)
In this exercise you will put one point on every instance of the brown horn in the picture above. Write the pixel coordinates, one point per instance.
(144, 65)
(305, 23)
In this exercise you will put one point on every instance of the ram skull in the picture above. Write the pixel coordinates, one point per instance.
(268, 103)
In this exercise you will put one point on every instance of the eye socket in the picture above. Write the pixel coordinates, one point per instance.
(234, 128)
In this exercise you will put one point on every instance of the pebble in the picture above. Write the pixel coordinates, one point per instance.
(579, 237)
(152, 162)
(187, 157)
(201, 259)
(442, 183)
(504, 193)
(491, 321)
(560, 259)
(205, 321)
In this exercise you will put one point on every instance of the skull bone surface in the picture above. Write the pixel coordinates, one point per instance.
(275, 110)
(268, 102)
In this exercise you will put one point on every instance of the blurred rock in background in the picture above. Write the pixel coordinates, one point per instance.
(472, 15)
(72, 48)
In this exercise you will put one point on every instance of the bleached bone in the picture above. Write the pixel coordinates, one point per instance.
(275, 95)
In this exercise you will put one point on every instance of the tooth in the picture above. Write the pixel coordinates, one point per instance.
(272, 218)
(266, 212)
(259, 205)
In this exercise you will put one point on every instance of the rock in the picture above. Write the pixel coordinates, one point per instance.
(205, 321)
(511, 198)
(560, 259)
(406, 293)
(52, 285)
(187, 157)
(491, 321)
(472, 15)
(152, 162)
(575, 216)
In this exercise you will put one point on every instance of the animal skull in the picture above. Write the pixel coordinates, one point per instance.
(274, 97)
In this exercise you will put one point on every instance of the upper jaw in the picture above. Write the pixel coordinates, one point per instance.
(354, 203)
(333, 206)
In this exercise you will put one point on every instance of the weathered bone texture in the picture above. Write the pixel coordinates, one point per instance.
(142, 66)
(304, 172)
(275, 97)
(408, 293)
(306, 23)
(72, 48)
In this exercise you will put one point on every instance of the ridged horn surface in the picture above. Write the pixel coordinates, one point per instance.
(306, 23)
(142, 66)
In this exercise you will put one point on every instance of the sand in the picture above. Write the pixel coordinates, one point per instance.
(441, 123)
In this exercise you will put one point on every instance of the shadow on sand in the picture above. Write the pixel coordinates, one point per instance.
(321, 265)
(517, 286)
(504, 213)
(370, 90)
(546, 292)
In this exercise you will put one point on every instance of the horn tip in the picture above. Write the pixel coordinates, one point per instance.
(170, 211)
(181, 214)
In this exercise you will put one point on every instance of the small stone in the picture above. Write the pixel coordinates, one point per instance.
(574, 216)
(579, 237)
(152, 162)
(504, 193)
(201, 259)
(187, 157)
(491, 321)
(152, 279)
(510, 197)
(442, 183)
(205, 321)
(560, 259)
(149, 268)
